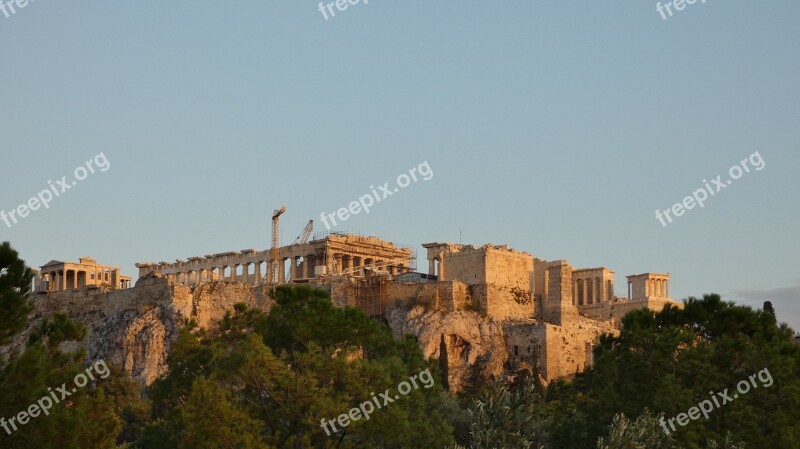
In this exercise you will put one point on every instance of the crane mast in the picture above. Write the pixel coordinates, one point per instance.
(274, 262)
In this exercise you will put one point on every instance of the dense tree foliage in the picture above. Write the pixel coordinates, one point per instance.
(269, 380)
(15, 286)
(671, 361)
(646, 433)
(503, 416)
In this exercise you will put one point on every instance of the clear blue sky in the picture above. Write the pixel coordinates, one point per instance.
(555, 127)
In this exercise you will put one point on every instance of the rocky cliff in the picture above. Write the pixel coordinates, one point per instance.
(134, 328)
(465, 336)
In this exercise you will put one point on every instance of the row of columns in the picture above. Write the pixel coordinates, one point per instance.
(436, 266)
(590, 291)
(61, 279)
(658, 288)
(300, 267)
(57, 280)
(348, 263)
(203, 275)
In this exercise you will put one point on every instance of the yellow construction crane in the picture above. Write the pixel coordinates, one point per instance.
(302, 239)
(274, 262)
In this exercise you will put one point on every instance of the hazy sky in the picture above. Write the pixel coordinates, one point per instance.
(555, 127)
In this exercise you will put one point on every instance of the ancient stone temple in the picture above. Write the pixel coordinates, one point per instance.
(334, 254)
(56, 275)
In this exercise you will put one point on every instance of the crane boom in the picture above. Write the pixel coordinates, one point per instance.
(304, 237)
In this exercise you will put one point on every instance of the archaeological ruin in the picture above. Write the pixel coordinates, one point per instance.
(56, 275)
(334, 254)
(507, 308)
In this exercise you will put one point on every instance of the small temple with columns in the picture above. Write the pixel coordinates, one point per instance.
(57, 275)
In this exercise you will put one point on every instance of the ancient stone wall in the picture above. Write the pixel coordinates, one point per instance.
(541, 280)
(504, 302)
(509, 277)
(558, 308)
(523, 343)
(467, 266)
(567, 350)
(445, 295)
(509, 268)
(616, 310)
(500, 278)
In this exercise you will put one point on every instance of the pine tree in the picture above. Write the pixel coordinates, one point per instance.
(15, 287)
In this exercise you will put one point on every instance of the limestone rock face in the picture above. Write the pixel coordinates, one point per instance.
(134, 328)
(143, 342)
(464, 335)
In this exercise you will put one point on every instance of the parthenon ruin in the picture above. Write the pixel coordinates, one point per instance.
(334, 254)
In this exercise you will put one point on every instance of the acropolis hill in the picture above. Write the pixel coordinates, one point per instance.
(508, 308)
